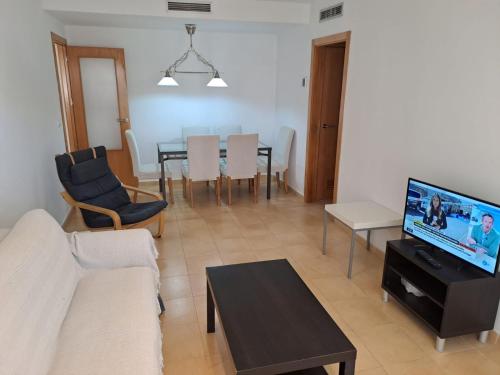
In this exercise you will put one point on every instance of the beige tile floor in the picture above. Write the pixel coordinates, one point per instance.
(388, 339)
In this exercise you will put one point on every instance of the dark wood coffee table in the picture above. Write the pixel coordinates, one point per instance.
(272, 322)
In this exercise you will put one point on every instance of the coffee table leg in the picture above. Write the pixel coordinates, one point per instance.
(346, 368)
(325, 228)
(210, 311)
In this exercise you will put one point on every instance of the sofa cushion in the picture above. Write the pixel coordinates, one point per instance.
(89, 170)
(112, 326)
(38, 276)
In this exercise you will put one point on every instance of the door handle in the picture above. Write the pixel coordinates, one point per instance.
(326, 126)
(122, 119)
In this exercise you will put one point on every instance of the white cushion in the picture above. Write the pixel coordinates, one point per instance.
(112, 326)
(275, 165)
(115, 249)
(3, 233)
(241, 156)
(185, 168)
(38, 276)
(152, 172)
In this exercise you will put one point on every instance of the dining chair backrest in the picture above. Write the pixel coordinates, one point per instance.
(242, 155)
(134, 151)
(226, 130)
(281, 153)
(203, 153)
(194, 130)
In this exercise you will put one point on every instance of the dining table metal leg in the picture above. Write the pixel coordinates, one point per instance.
(325, 230)
(269, 173)
(162, 182)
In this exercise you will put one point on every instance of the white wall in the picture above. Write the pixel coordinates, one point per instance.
(227, 10)
(29, 112)
(247, 62)
(291, 102)
(423, 98)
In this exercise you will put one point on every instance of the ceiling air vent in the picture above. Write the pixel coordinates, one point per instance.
(331, 12)
(189, 6)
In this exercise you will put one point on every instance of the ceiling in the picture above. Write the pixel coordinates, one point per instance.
(164, 23)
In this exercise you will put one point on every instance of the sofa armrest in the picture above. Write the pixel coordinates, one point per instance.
(115, 249)
(3, 233)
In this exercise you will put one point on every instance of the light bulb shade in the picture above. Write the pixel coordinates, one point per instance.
(216, 81)
(167, 80)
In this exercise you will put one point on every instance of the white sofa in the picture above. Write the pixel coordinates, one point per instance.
(78, 304)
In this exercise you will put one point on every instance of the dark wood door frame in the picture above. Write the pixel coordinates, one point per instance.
(119, 160)
(312, 141)
(59, 49)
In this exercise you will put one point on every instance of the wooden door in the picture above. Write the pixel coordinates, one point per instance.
(332, 68)
(62, 73)
(100, 104)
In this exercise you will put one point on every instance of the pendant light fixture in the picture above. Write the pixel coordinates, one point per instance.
(168, 78)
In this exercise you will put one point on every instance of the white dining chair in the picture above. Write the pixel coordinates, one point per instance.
(280, 156)
(194, 130)
(226, 130)
(147, 171)
(241, 161)
(202, 164)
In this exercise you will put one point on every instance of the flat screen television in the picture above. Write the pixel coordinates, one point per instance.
(466, 227)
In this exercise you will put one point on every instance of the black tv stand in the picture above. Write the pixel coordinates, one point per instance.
(455, 301)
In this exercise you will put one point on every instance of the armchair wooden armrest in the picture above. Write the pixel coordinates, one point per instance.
(117, 222)
(141, 191)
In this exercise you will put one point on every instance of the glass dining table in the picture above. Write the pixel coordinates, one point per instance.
(178, 151)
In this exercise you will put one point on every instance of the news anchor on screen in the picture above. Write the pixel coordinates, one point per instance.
(485, 236)
(434, 215)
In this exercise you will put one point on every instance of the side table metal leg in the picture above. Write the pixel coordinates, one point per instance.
(368, 235)
(385, 297)
(325, 229)
(440, 344)
(351, 254)
(483, 337)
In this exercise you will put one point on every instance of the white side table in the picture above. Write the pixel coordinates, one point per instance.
(360, 216)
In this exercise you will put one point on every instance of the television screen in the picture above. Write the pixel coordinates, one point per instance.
(465, 227)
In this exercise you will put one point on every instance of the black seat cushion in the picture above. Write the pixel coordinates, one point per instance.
(129, 214)
(90, 180)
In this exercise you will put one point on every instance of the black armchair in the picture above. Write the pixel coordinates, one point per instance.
(103, 200)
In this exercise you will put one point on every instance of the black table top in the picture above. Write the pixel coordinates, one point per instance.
(272, 321)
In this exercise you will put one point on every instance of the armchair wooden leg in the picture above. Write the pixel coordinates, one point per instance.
(285, 180)
(278, 180)
(217, 190)
(162, 305)
(161, 224)
(190, 189)
(134, 197)
(170, 190)
(184, 187)
(228, 179)
(255, 196)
